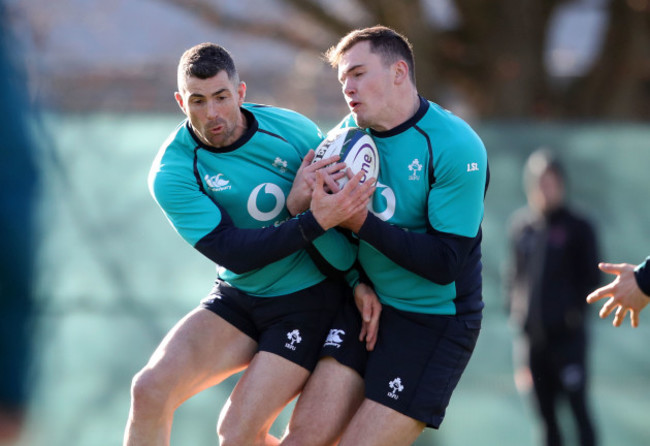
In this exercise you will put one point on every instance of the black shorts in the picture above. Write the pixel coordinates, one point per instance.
(291, 326)
(416, 364)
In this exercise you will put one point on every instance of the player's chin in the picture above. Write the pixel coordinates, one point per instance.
(361, 120)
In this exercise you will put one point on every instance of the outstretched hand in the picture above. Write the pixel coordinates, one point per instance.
(623, 292)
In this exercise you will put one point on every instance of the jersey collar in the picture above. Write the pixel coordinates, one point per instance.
(422, 109)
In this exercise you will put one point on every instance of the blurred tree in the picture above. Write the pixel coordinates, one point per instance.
(491, 55)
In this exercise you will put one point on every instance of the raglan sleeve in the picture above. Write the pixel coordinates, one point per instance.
(455, 212)
(206, 225)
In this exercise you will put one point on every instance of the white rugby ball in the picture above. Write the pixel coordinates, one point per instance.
(356, 149)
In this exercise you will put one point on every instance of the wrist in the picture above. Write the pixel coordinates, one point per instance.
(642, 276)
(321, 220)
(309, 226)
(363, 225)
(292, 207)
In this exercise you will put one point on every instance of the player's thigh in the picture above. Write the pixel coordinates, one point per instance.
(378, 425)
(330, 398)
(201, 350)
(269, 383)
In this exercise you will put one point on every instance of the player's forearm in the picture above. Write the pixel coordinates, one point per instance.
(242, 250)
(438, 258)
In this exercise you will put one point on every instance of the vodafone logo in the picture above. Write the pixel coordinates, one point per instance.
(383, 204)
(258, 194)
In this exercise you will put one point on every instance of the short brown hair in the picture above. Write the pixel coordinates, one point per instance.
(204, 61)
(388, 43)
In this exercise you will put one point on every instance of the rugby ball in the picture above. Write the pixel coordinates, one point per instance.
(355, 148)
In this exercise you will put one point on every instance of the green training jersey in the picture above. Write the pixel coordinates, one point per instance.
(432, 181)
(229, 202)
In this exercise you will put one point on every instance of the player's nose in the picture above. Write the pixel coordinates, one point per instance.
(212, 110)
(348, 87)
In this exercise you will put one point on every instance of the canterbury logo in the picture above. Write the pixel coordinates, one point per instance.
(217, 183)
(334, 338)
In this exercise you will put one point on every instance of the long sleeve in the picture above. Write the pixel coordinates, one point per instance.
(642, 274)
(437, 257)
(239, 249)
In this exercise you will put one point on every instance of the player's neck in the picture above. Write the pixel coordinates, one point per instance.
(404, 109)
(241, 126)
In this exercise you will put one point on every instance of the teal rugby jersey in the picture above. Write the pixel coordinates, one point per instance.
(432, 181)
(229, 202)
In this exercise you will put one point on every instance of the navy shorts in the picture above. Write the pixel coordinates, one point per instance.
(292, 326)
(417, 361)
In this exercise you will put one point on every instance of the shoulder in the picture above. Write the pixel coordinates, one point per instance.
(520, 219)
(279, 118)
(179, 144)
(586, 230)
(457, 150)
(449, 131)
(579, 219)
(173, 159)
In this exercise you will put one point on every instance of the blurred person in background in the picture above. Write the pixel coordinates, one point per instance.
(629, 292)
(552, 266)
(18, 188)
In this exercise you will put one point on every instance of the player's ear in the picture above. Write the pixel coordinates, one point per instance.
(179, 100)
(401, 72)
(241, 92)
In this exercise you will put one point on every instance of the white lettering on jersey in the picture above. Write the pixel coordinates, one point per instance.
(472, 167)
(269, 188)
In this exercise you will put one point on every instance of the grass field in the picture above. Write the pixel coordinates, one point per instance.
(113, 278)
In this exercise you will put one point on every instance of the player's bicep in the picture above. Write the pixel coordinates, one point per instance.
(192, 213)
(455, 201)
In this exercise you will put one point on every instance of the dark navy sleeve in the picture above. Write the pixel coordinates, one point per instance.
(438, 257)
(642, 274)
(242, 250)
(587, 274)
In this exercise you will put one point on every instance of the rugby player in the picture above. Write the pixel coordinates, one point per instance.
(226, 179)
(421, 250)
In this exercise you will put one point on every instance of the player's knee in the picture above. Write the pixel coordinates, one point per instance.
(148, 391)
(235, 430)
(235, 435)
(313, 437)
